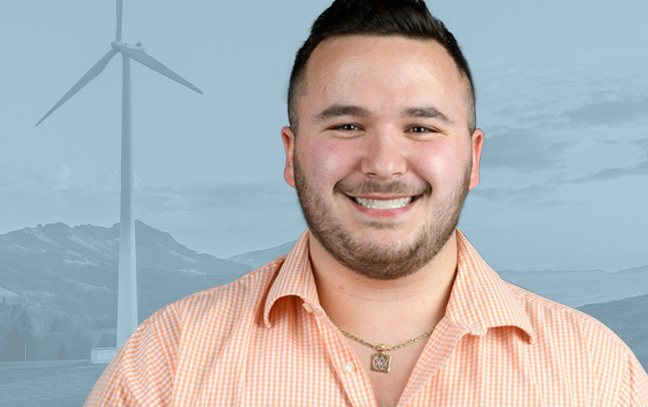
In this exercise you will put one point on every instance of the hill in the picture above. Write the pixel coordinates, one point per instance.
(580, 287)
(65, 280)
(258, 258)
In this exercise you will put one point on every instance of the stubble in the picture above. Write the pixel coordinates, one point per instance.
(367, 258)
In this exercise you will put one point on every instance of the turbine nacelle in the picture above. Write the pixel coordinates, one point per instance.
(119, 46)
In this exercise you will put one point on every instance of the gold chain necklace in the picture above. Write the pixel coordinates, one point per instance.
(379, 361)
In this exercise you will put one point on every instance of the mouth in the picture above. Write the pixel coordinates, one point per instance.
(384, 203)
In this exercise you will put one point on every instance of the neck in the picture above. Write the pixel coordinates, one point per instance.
(385, 311)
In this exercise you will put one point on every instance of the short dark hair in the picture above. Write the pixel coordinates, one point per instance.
(407, 18)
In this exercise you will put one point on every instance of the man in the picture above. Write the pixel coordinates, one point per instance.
(382, 301)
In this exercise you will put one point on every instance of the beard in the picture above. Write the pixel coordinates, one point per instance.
(368, 258)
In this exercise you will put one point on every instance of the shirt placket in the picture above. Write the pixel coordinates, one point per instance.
(436, 353)
(354, 381)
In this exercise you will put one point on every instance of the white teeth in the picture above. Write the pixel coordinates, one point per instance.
(384, 203)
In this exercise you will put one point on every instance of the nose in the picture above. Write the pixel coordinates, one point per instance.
(384, 157)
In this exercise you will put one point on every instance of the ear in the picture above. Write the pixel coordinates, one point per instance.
(477, 144)
(288, 138)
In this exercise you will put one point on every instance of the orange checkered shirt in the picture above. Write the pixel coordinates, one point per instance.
(264, 340)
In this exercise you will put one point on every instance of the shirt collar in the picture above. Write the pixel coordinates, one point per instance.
(479, 300)
(295, 278)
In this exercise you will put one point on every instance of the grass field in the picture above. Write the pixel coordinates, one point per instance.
(64, 383)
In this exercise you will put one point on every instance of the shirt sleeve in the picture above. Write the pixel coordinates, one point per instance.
(142, 372)
(634, 391)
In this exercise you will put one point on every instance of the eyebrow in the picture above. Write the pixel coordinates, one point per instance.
(338, 110)
(429, 112)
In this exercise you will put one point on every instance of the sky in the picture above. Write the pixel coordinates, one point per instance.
(562, 96)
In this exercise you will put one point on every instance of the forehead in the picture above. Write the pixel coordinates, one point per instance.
(383, 72)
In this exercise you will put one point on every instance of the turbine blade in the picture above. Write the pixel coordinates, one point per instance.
(85, 79)
(120, 7)
(150, 62)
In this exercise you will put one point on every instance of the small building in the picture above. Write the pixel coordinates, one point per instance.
(102, 356)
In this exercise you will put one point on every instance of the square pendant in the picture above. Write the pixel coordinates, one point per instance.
(380, 362)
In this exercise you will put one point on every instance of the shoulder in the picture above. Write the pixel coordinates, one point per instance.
(173, 344)
(579, 343)
(225, 303)
(550, 318)
(566, 333)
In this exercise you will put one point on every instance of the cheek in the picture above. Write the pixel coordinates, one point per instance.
(440, 163)
(329, 160)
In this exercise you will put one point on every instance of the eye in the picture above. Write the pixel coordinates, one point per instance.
(346, 127)
(421, 129)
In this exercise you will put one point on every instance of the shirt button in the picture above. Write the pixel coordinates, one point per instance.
(348, 367)
(307, 307)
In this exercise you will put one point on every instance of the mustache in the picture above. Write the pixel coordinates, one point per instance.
(390, 187)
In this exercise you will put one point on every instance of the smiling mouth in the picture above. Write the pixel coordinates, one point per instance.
(384, 203)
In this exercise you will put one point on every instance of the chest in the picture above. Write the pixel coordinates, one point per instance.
(301, 363)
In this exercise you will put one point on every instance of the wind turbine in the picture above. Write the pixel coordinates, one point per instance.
(127, 285)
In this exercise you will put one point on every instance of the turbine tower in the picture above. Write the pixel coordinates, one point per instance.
(127, 285)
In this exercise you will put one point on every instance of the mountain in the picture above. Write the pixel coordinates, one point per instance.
(628, 318)
(42, 261)
(258, 258)
(66, 277)
(579, 287)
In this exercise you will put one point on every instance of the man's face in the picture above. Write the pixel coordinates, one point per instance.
(383, 158)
